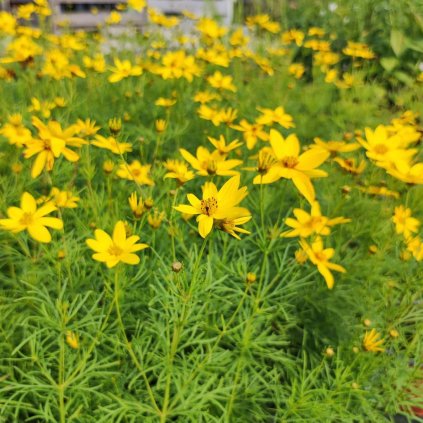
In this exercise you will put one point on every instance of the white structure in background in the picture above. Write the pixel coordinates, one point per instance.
(78, 13)
(223, 9)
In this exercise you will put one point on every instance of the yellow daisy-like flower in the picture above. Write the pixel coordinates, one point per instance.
(34, 220)
(115, 249)
(218, 207)
(404, 222)
(320, 257)
(371, 341)
(135, 172)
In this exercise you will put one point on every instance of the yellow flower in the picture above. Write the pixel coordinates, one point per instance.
(251, 133)
(51, 144)
(115, 125)
(350, 165)
(371, 341)
(404, 223)
(34, 220)
(72, 339)
(407, 172)
(358, 50)
(309, 224)
(15, 131)
(155, 219)
(136, 205)
(382, 147)
(63, 199)
(335, 147)
(86, 127)
(278, 115)
(160, 125)
(165, 102)
(222, 147)
(123, 69)
(137, 5)
(114, 18)
(217, 206)
(297, 70)
(221, 82)
(115, 249)
(112, 144)
(207, 163)
(135, 172)
(291, 165)
(320, 257)
(108, 166)
(178, 170)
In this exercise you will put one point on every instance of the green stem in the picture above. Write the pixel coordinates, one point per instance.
(129, 346)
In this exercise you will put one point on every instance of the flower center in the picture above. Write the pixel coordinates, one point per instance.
(265, 162)
(209, 206)
(289, 161)
(47, 144)
(212, 167)
(381, 149)
(136, 172)
(320, 256)
(114, 250)
(26, 219)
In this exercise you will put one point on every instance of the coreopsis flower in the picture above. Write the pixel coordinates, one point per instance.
(112, 144)
(207, 163)
(320, 257)
(293, 35)
(380, 191)
(136, 205)
(123, 69)
(161, 19)
(115, 125)
(372, 341)
(34, 220)
(97, 63)
(86, 128)
(406, 171)
(358, 50)
(108, 167)
(404, 223)
(350, 165)
(178, 170)
(251, 132)
(165, 102)
(221, 82)
(160, 125)
(113, 19)
(204, 97)
(115, 249)
(42, 108)
(335, 147)
(177, 64)
(415, 247)
(311, 223)
(297, 70)
(51, 143)
(230, 225)
(63, 199)
(137, 5)
(384, 148)
(135, 171)
(222, 147)
(217, 206)
(278, 115)
(290, 164)
(155, 218)
(72, 339)
(226, 116)
(15, 131)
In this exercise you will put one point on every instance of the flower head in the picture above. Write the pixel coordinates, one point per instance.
(34, 220)
(115, 249)
(218, 207)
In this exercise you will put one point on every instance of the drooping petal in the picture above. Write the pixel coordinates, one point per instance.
(39, 233)
(325, 272)
(312, 158)
(304, 185)
(205, 225)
